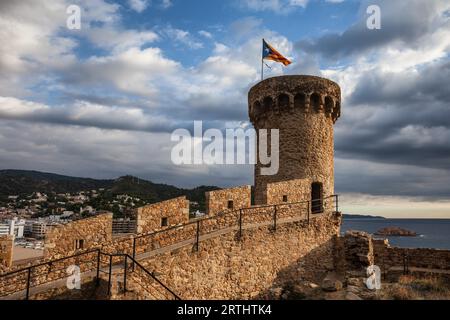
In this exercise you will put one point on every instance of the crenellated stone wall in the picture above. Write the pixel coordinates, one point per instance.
(289, 191)
(217, 201)
(6, 251)
(162, 214)
(64, 240)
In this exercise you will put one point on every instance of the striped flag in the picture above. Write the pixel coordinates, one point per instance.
(269, 53)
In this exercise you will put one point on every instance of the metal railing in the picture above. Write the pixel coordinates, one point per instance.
(273, 210)
(166, 291)
(95, 260)
(240, 214)
(31, 272)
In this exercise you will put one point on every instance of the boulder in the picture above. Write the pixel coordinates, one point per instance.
(330, 285)
(352, 296)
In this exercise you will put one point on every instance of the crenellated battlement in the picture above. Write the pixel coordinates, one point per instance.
(298, 93)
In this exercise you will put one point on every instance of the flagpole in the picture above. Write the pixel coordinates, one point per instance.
(262, 69)
(262, 61)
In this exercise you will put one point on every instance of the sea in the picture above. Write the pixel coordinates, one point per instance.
(432, 233)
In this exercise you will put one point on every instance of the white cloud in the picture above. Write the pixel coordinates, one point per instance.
(118, 40)
(166, 4)
(205, 34)
(277, 6)
(139, 5)
(183, 37)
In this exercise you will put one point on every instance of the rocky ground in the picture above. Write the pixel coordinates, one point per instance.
(333, 287)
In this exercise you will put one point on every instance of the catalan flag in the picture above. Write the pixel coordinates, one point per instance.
(269, 53)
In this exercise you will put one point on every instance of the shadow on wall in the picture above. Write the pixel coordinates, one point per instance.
(313, 267)
(89, 291)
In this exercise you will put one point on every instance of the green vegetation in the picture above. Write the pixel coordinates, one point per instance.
(25, 183)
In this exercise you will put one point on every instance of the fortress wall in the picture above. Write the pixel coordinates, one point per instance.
(361, 250)
(225, 268)
(60, 241)
(6, 251)
(150, 217)
(294, 190)
(387, 256)
(217, 201)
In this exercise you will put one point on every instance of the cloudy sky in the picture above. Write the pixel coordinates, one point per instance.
(103, 101)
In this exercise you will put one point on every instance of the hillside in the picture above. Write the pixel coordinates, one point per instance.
(22, 182)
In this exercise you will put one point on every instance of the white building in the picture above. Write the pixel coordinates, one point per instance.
(38, 229)
(13, 227)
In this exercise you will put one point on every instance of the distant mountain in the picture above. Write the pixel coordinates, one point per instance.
(22, 182)
(361, 216)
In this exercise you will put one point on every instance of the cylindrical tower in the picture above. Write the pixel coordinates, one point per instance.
(304, 109)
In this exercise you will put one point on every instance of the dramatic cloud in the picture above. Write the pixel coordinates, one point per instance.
(102, 101)
(408, 24)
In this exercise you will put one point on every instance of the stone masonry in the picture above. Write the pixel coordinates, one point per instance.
(64, 240)
(360, 250)
(288, 191)
(162, 214)
(228, 199)
(6, 251)
(225, 268)
(304, 109)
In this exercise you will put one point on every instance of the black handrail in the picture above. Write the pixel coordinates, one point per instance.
(49, 262)
(226, 212)
(196, 221)
(153, 277)
(126, 257)
(231, 212)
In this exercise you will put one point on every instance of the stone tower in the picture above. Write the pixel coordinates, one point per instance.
(304, 109)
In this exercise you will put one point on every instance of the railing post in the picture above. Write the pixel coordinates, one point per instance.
(110, 275)
(125, 275)
(240, 224)
(134, 253)
(307, 211)
(98, 268)
(28, 284)
(337, 203)
(198, 236)
(275, 218)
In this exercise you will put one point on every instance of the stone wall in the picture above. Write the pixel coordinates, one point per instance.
(294, 248)
(360, 250)
(289, 191)
(218, 201)
(304, 109)
(226, 268)
(6, 251)
(162, 214)
(387, 257)
(64, 240)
